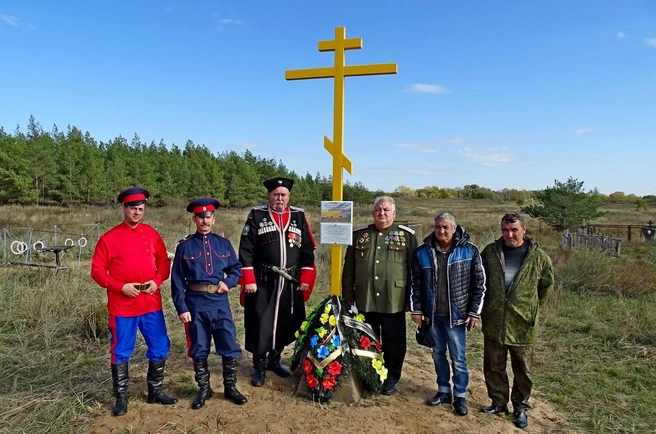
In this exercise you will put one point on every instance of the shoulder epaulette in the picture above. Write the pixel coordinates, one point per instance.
(412, 231)
(185, 238)
(295, 208)
(360, 228)
(220, 235)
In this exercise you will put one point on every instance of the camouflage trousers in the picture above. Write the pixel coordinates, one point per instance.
(496, 376)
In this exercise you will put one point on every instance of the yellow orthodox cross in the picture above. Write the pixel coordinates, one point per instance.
(336, 148)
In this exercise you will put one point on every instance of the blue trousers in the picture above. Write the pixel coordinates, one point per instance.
(217, 324)
(452, 339)
(123, 336)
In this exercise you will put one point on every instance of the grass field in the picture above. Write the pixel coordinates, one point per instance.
(595, 358)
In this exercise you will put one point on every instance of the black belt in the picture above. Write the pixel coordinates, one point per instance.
(266, 271)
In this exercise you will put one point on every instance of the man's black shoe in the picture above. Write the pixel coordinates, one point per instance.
(460, 406)
(439, 398)
(389, 388)
(520, 419)
(495, 409)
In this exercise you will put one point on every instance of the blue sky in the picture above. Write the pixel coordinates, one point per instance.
(503, 94)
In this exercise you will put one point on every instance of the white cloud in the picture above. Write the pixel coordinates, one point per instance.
(453, 141)
(429, 88)
(583, 130)
(487, 157)
(419, 147)
(10, 19)
(223, 23)
(651, 42)
(621, 35)
(389, 171)
(230, 21)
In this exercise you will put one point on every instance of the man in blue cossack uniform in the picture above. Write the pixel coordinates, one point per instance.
(205, 267)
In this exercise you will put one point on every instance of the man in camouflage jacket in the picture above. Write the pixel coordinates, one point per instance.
(519, 279)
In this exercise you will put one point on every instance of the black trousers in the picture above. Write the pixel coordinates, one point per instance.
(391, 329)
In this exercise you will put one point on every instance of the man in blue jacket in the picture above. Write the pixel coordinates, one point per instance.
(447, 292)
(205, 267)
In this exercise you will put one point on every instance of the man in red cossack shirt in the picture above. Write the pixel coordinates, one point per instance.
(131, 262)
(275, 235)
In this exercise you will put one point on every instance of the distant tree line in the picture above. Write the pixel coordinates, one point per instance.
(69, 168)
(72, 168)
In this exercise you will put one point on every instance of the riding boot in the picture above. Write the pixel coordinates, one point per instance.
(120, 376)
(259, 370)
(155, 379)
(230, 381)
(276, 366)
(203, 380)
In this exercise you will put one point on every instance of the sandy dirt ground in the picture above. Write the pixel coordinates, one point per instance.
(276, 407)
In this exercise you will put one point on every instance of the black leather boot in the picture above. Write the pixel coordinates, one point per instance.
(120, 377)
(203, 380)
(259, 370)
(155, 379)
(274, 364)
(230, 381)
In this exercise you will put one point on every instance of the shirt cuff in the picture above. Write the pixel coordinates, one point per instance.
(247, 276)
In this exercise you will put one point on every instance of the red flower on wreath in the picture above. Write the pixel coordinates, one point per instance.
(334, 368)
(378, 346)
(365, 341)
(328, 383)
(311, 381)
(307, 366)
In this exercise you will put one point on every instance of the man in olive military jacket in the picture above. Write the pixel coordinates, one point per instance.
(520, 278)
(376, 278)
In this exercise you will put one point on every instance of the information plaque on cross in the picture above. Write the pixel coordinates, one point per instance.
(336, 147)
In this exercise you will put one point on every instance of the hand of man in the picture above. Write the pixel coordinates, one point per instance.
(471, 322)
(304, 287)
(250, 287)
(416, 319)
(223, 288)
(185, 317)
(130, 290)
(152, 287)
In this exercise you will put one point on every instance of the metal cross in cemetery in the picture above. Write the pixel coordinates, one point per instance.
(336, 147)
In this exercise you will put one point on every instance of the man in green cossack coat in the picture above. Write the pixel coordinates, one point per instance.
(376, 279)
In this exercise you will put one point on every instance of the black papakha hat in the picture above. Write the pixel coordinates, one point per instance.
(274, 183)
(203, 207)
(133, 196)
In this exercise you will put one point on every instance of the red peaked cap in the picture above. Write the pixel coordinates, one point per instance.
(203, 207)
(133, 196)
(272, 184)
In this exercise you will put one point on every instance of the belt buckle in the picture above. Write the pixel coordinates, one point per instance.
(142, 287)
(212, 288)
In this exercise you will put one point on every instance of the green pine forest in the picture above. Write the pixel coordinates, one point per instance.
(72, 168)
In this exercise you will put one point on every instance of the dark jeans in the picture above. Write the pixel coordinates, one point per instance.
(390, 327)
(496, 376)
